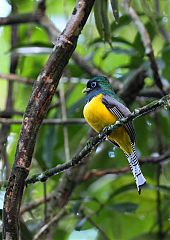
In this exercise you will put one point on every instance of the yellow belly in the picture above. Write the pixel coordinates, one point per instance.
(98, 117)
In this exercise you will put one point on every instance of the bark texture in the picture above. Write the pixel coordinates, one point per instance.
(43, 91)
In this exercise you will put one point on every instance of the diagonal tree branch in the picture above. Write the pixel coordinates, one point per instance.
(146, 43)
(96, 173)
(92, 143)
(43, 90)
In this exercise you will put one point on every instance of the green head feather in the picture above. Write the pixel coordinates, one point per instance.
(97, 85)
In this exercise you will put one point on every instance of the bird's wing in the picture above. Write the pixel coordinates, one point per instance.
(118, 109)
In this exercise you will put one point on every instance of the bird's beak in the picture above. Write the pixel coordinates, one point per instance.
(86, 90)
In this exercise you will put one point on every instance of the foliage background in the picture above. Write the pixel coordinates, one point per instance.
(105, 207)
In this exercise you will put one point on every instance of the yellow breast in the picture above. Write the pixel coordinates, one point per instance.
(98, 117)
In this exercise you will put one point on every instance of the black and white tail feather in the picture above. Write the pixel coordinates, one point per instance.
(135, 168)
(118, 109)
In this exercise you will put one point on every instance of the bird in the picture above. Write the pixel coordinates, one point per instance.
(103, 107)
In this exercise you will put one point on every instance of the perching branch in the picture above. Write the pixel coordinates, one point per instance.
(96, 173)
(43, 91)
(92, 143)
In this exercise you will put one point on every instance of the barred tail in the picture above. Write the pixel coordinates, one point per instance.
(135, 168)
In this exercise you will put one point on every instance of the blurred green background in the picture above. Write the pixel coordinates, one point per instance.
(100, 207)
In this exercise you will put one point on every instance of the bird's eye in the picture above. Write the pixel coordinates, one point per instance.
(93, 84)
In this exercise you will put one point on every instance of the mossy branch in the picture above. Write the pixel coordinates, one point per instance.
(95, 141)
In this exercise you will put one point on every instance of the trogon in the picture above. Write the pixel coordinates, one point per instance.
(103, 107)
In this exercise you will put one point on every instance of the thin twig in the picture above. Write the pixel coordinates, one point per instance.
(53, 33)
(40, 18)
(57, 121)
(46, 227)
(98, 173)
(5, 129)
(6, 114)
(34, 204)
(19, 19)
(133, 85)
(146, 43)
(162, 30)
(150, 160)
(92, 143)
(155, 160)
(16, 78)
(152, 93)
(158, 203)
(64, 118)
(45, 201)
(158, 133)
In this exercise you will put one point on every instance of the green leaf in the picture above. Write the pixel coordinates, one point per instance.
(148, 82)
(166, 59)
(115, 9)
(124, 20)
(118, 50)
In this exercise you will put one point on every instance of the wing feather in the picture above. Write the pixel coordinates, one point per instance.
(118, 109)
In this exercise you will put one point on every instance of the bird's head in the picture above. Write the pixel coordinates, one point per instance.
(96, 85)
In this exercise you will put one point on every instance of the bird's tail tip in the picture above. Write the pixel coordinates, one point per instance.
(140, 182)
